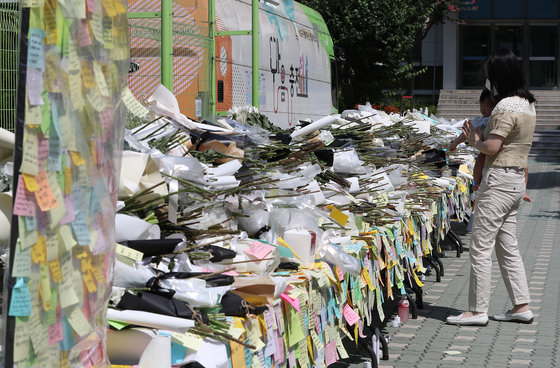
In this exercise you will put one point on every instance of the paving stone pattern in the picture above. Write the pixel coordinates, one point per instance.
(428, 342)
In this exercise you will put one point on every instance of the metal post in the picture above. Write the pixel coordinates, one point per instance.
(212, 55)
(255, 52)
(167, 44)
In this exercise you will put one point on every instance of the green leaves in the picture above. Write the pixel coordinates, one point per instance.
(376, 36)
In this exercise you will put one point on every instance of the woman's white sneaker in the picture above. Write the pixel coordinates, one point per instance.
(523, 317)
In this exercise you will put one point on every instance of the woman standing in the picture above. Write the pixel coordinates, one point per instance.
(508, 137)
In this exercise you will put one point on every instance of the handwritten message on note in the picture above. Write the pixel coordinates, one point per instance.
(259, 250)
(44, 195)
(35, 49)
(350, 315)
(24, 204)
(20, 303)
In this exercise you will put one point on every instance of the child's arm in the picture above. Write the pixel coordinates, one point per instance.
(457, 141)
(477, 171)
(526, 197)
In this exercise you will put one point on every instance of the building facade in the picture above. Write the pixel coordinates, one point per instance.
(454, 52)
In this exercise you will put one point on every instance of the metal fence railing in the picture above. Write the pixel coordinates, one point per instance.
(9, 31)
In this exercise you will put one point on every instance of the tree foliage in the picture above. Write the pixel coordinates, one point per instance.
(375, 37)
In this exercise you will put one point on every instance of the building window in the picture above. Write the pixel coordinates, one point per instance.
(482, 9)
(475, 48)
(510, 9)
(543, 9)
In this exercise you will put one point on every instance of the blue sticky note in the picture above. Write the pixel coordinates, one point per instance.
(178, 352)
(30, 223)
(248, 357)
(68, 335)
(20, 304)
(35, 49)
(80, 228)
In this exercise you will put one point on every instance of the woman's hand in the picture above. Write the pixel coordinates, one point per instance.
(471, 133)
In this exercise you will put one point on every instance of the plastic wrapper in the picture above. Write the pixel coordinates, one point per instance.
(69, 134)
(347, 162)
(135, 276)
(194, 291)
(336, 256)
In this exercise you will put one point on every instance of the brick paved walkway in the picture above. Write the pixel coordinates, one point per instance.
(428, 342)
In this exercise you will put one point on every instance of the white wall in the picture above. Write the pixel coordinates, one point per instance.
(450, 62)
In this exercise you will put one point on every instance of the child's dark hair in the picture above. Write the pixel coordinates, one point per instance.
(485, 95)
(506, 75)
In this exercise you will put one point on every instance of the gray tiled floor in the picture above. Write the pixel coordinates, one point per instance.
(429, 342)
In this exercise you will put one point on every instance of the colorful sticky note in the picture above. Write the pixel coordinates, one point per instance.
(338, 216)
(44, 195)
(20, 303)
(35, 49)
(24, 204)
(78, 321)
(259, 250)
(350, 315)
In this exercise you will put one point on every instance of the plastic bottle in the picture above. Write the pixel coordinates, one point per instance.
(404, 308)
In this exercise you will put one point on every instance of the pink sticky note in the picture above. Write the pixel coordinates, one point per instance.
(340, 274)
(55, 331)
(25, 201)
(230, 273)
(84, 39)
(350, 316)
(259, 250)
(279, 354)
(293, 302)
(330, 353)
(292, 358)
(317, 323)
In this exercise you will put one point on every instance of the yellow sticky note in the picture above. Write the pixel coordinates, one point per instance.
(367, 278)
(77, 159)
(30, 183)
(56, 272)
(39, 250)
(418, 282)
(68, 180)
(338, 216)
(188, 340)
(129, 253)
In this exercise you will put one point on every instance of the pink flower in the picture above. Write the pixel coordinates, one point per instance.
(450, 8)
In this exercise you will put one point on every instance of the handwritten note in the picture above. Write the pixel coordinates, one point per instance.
(44, 195)
(331, 355)
(30, 160)
(35, 49)
(132, 104)
(79, 322)
(80, 229)
(20, 303)
(259, 250)
(350, 315)
(24, 204)
(34, 79)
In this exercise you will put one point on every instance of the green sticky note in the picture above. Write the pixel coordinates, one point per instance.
(46, 116)
(117, 325)
(285, 252)
(294, 331)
